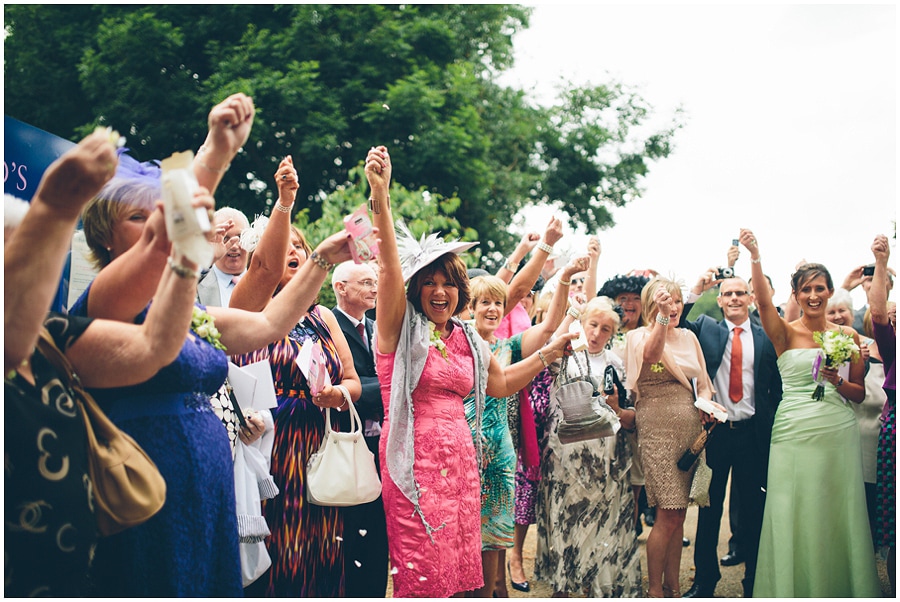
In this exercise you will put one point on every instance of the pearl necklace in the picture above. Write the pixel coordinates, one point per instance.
(598, 354)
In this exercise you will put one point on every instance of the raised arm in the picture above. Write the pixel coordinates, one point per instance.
(230, 122)
(775, 326)
(391, 299)
(523, 281)
(244, 331)
(590, 282)
(656, 340)
(508, 270)
(255, 289)
(537, 335)
(877, 293)
(35, 254)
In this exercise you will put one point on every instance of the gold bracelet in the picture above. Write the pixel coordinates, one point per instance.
(375, 204)
(511, 266)
(320, 261)
(545, 248)
(215, 170)
(283, 208)
(182, 271)
(565, 282)
(543, 359)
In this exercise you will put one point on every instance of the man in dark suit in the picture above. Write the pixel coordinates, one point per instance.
(365, 532)
(741, 362)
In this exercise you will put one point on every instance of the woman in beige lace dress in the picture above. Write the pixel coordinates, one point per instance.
(662, 364)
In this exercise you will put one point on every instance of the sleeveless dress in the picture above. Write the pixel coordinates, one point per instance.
(499, 456)
(667, 423)
(815, 539)
(447, 474)
(585, 510)
(189, 548)
(306, 541)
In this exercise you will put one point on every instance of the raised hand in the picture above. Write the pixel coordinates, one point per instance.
(378, 170)
(230, 122)
(288, 181)
(77, 176)
(554, 232)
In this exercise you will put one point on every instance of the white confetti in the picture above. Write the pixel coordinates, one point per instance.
(363, 532)
(409, 565)
(423, 578)
(394, 571)
(444, 472)
(385, 107)
(338, 538)
(357, 563)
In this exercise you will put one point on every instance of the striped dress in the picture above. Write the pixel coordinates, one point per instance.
(306, 540)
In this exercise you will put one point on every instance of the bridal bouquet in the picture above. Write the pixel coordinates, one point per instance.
(837, 349)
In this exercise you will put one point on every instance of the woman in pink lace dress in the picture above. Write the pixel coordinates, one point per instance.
(427, 362)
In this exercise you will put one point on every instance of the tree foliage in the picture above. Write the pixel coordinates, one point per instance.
(329, 81)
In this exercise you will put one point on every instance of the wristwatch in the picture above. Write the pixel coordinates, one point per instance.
(839, 382)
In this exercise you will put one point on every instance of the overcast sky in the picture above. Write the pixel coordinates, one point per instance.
(790, 128)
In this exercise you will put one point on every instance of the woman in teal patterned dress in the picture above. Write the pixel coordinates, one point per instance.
(498, 467)
(815, 539)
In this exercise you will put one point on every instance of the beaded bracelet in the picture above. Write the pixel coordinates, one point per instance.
(545, 248)
(283, 208)
(661, 320)
(757, 260)
(182, 271)
(320, 261)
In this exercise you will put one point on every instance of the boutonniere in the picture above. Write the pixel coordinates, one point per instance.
(204, 326)
(657, 367)
(435, 340)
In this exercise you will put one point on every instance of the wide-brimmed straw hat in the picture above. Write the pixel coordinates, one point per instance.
(416, 254)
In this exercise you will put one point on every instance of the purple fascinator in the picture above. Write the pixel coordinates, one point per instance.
(131, 169)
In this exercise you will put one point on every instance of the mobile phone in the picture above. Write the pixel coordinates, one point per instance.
(735, 242)
(364, 244)
(869, 270)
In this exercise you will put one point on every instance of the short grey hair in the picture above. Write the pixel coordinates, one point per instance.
(344, 270)
(235, 215)
(841, 297)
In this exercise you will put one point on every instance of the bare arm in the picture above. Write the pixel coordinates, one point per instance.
(118, 354)
(590, 282)
(35, 254)
(508, 270)
(255, 289)
(523, 281)
(244, 331)
(230, 122)
(331, 396)
(537, 335)
(391, 300)
(656, 339)
(775, 326)
(877, 294)
(503, 382)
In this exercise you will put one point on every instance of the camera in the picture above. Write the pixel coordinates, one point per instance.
(869, 270)
(725, 273)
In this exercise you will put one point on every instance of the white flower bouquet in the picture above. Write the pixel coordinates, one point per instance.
(837, 349)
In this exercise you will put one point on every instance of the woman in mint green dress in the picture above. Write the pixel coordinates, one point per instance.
(815, 539)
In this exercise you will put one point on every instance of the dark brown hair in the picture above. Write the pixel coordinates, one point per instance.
(808, 272)
(454, 268)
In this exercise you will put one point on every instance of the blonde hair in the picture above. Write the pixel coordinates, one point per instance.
(488, 287)
(602, 307)
(648, 305)
(103, 212)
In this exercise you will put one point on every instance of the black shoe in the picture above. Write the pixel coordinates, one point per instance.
(685, 542)
(650, 517)
(699, 591)
(731, 559)
(519, 587)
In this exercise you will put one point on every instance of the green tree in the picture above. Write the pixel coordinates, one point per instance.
(329, 81)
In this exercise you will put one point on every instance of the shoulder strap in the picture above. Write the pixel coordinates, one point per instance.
(57, 359)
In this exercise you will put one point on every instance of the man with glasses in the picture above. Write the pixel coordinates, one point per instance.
(741, 362)
(365, 532)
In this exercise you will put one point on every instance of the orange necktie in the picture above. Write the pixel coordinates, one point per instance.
(736, 388)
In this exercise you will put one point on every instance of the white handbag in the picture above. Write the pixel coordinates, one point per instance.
(342, 472)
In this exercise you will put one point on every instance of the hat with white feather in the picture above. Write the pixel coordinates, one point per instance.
(416, 254)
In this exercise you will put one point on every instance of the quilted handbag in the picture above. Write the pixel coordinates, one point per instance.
(585, 413)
